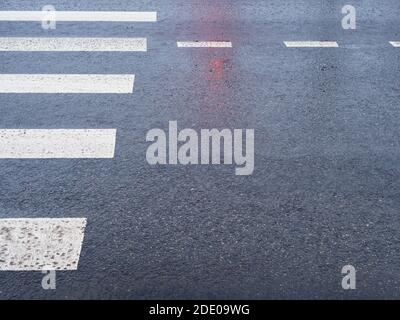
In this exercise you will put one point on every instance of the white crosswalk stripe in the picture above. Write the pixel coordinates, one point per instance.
(41, 244)
(66, 83)
(84, 16)
(57, 143)
(73, 44)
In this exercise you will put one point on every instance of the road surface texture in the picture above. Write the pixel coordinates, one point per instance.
(325, 191)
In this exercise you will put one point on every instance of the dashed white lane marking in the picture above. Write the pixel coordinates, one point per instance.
(395, 44)
(66, 83)
(204, 44)
(41, 244)
(57, 143)
(311, 44)
(86, 16)
(73, 44)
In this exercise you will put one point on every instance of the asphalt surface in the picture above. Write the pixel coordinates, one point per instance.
(325, 190)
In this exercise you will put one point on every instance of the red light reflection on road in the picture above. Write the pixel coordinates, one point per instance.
(215, 63)
(216, 70)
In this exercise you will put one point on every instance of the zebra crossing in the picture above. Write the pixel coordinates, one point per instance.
(52, 243)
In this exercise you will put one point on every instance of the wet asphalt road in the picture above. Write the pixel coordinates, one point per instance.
(325, 190)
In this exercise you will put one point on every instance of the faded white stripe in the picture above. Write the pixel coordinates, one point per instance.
(204, 44)
(90, 16)
(73, 44)
(41, 244)
(311, 44)
(57, 143)
(66, 83)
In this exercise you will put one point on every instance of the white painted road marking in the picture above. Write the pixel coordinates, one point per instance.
(73, 44)
(204, 44)
(311, 44)
(57, 143)
(86, 16)
(66, 83)
(41, 244)
(395, 44)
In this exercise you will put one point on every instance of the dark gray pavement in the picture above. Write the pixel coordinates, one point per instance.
(325, 191)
